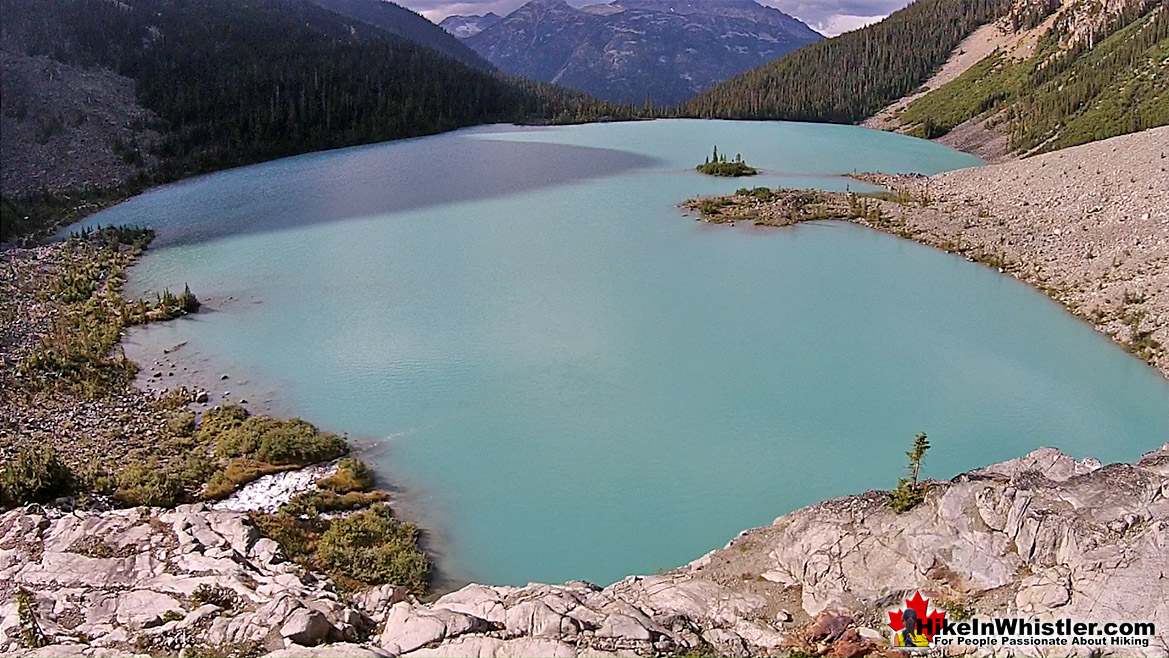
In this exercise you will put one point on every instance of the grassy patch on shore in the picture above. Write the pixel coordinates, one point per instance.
(79, 355)
(38, 216)
(77, 362)
(236, 434)
(230, 449)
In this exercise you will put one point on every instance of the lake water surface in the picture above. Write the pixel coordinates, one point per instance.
(577, 381)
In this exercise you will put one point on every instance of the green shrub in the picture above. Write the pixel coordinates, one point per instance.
(297, 536)
(35, 476)
(373, 548)
(176, 399)
(221, 420)
(265, 439)
(760, 193)
(713, 206)
(150, 483)
(180, 422)
(352, 475)
(147, 484)
(906, 496)
(314, 503)
(957, 611)
(169, 306)
(76, 286)
(30, 629)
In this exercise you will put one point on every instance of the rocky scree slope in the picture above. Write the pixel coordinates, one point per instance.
(1088, 225)
(1042, 535)
(64, 126)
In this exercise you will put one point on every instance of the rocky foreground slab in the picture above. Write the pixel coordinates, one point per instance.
(1042, 535)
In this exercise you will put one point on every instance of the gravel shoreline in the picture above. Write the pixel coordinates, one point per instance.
(86, 432)
(1088, 226)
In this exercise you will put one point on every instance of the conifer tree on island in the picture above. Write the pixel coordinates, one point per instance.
(717, 164)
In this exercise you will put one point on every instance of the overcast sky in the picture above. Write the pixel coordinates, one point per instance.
(829, 17)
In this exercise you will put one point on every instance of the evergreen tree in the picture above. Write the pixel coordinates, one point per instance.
(909, 492)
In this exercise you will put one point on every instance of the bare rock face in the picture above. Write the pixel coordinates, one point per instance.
(153, 581)
(1042, 535)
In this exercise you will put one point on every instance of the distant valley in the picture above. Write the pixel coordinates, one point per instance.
(655, 52)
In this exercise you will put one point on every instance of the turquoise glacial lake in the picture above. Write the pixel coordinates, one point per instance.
(570, 379)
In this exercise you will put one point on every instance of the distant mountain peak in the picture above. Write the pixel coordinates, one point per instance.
(631, 51)
(463, 27)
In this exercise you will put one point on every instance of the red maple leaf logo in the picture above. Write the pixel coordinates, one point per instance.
(930, 622)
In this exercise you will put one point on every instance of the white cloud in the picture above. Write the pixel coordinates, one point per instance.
(436, 10)
(844, 23)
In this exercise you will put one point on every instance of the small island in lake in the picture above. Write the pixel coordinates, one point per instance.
(718, 165)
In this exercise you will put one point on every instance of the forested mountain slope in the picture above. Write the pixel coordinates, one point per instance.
(406, 24)
(1089, 71)
(217, 83)
(850, 77)
(1063, 73)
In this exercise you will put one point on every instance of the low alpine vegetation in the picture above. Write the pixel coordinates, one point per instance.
(367, 547)
(35, 476)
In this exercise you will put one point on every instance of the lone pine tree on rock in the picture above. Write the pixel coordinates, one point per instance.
(909, 492)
